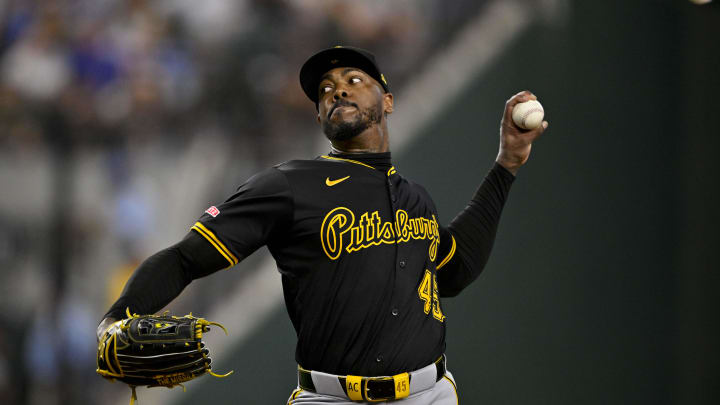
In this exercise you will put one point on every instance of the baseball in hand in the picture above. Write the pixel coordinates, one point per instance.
(528, 115)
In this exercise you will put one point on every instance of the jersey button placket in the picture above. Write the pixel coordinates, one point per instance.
(393, 198)
(393, 201)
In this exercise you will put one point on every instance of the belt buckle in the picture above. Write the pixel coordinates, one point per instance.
(367, 389)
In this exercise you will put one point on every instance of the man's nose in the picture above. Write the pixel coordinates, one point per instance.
(340, 93)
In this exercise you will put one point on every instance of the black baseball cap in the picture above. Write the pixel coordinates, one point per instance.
(331, 58)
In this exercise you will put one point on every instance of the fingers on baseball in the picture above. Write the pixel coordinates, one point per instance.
(535, 133)
(520, 97)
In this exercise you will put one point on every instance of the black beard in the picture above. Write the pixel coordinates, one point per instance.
(346, 130)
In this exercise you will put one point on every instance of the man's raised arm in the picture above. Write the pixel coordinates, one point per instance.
(466, 243)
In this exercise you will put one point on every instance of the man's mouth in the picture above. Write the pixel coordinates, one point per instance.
(340, 105)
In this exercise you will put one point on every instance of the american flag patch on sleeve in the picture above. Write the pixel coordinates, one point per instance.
(213, 211)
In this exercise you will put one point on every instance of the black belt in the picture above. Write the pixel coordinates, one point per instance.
(374, 389)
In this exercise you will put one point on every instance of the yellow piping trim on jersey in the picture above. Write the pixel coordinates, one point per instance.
(202, 230)
(294, 395)
(391, 171)
(457, 397)
(207, 234)
(449, 255)
(346, 160)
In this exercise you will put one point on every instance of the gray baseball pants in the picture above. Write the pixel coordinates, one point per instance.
(444, 392)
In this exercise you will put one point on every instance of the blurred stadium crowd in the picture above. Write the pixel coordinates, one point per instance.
(110, 109)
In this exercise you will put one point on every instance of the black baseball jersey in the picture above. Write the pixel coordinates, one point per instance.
(358, 247)
(362, 256)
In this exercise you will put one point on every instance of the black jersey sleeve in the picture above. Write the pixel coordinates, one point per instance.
(163, 276)
(466, 243)
(260, 210)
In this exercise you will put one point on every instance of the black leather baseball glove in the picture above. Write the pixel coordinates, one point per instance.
(155, 351)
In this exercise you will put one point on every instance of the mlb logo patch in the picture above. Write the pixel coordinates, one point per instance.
(212, 211)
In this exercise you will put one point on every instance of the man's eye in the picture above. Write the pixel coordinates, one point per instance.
(355, 80)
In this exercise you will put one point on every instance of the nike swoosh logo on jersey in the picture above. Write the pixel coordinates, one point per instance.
(331, 183)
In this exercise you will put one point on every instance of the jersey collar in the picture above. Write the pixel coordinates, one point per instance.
(378, 161)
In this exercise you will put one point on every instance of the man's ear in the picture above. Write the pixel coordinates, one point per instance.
(388, 103)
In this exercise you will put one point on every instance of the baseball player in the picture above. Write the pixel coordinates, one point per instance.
(363, 257)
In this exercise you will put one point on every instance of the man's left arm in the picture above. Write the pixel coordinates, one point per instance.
(467, 241)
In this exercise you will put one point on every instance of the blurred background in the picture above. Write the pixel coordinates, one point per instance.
(121, 121)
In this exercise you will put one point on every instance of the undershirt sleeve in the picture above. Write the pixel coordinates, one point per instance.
(467, 241)
(163, 276)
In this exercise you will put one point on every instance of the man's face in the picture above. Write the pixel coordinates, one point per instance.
(349, 102)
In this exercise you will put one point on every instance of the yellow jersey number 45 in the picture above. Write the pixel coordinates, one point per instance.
(428, 293)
